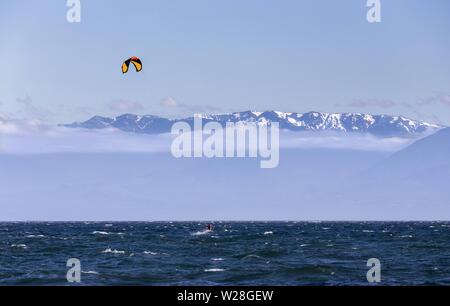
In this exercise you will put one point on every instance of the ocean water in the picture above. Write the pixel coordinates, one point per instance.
(235, 253)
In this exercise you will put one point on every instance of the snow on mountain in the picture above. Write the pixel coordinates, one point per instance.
(379, 125)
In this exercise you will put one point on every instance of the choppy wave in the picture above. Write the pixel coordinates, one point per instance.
(151, 253)
(162, 253)
(201, 233)
(406, 236)
(90, 272)
(106, 233)
(109, 250)
(19, 246)
(214, 270)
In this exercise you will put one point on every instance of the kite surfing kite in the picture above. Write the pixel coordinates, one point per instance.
(133, 60)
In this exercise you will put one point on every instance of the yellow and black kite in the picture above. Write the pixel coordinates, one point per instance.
(133, 60)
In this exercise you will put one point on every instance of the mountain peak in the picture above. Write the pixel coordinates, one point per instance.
(379, 125)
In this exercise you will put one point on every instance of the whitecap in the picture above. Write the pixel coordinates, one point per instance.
(217, 259)
(150, 253)
(109, 250)
(90, 272)
(367, 231)
(200, 233)
(214, 270)
(35, 236)
(268, 233)
(100, 233)
(20, 246)
(106, 233)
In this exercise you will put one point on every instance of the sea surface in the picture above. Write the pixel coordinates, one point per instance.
(234, 253)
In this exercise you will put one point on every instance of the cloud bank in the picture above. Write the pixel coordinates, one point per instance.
(322, 140)
(34, 137)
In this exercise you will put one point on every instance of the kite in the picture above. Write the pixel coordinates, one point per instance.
(133, 60)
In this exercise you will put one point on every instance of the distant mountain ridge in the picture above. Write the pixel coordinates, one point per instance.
(427, 158)
(379, 125)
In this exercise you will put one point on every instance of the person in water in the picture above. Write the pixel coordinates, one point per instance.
(209, 227)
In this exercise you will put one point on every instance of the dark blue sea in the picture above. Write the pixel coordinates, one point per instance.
(234, 253)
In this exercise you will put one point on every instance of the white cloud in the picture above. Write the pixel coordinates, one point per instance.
(35, 138)
(325, 140)
(122, 105)
(169, 102)
(189, 109)
(441, 98)
(31, 137)
(29, 111)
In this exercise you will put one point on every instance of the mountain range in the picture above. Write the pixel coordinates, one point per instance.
(379, 125)
(308, 184)
(426, 159)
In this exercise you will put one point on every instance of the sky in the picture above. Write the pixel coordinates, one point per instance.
(214, 56)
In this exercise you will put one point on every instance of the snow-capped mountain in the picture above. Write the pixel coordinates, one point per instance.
(380, 125)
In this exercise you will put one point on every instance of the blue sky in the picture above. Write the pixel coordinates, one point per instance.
(217, 55)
